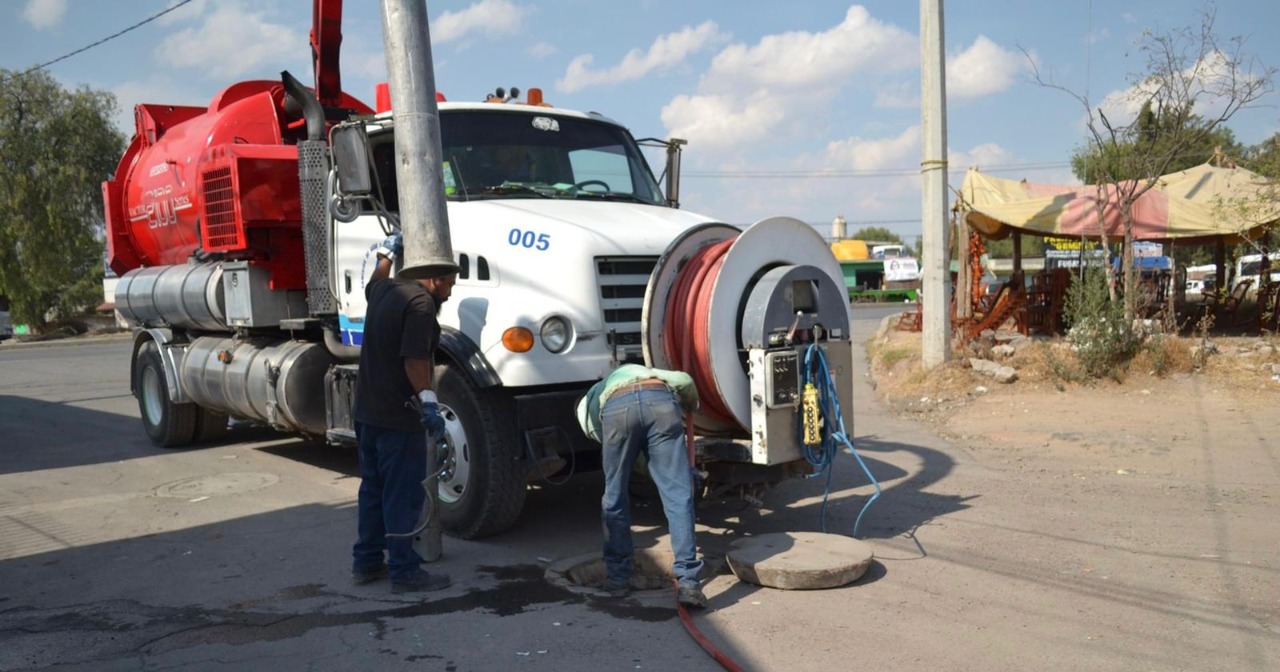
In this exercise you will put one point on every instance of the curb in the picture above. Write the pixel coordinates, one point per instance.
(13, 344)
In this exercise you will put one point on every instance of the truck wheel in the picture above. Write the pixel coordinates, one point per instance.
(210, 426)
(483, 490)
(168, 425)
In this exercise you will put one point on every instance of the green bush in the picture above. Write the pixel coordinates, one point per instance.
(1104, 341)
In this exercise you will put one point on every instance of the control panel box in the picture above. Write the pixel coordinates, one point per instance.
(775, 377)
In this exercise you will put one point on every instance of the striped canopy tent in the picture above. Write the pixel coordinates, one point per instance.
(1199, 205)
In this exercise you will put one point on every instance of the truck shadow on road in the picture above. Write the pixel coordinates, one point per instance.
(909, 500)
(38, 435)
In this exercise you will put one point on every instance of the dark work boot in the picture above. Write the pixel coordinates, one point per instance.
(691, 596)
(617, 589)
(361, 577)
(422, 582)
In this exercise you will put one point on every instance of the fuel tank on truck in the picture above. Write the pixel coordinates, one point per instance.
(219, 179)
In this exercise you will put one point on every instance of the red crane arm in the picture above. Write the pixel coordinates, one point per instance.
(326, 41)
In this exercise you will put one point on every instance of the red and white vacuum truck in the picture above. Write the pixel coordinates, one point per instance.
(244, 231)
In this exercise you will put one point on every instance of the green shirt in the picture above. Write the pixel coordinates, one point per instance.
(589, 406)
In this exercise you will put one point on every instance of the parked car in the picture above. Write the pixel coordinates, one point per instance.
(6, 325)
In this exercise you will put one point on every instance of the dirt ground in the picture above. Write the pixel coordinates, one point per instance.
(1178, 471)
(1149, 419)
(1169, 393)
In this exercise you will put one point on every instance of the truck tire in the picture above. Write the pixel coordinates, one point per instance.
(483, 491)
(210, 426)
(168, 425)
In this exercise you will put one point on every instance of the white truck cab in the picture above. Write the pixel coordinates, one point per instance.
(556, 223)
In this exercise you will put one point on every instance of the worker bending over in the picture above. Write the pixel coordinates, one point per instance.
(641, 410)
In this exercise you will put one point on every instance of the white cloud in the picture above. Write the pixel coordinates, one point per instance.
(721, 121)
(43, 14)
(887, 153)
(155, 89)
(490, 17)
(667, 51)
(984, 155)
(802, 60)
(791, 76)
(231, 42)
(365, 64)
(982, 69)
(1209, 83)
(542, 50)
(188, 12)
(899, 95)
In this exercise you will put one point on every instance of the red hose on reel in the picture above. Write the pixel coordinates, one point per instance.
(685, 346)
(685, 326)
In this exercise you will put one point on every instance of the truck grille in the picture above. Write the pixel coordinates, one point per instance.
(622, 282)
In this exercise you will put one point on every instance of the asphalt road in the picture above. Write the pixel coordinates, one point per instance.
(115, 555)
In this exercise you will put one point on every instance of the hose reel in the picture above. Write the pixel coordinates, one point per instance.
(733, 309)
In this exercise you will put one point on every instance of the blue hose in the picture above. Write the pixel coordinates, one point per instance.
(822, 455)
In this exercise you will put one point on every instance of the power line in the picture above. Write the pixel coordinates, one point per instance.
(108, 38)
(845, 174)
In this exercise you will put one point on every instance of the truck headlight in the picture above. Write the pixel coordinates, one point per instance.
(556, 334)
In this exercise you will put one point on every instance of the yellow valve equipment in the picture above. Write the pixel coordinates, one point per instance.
(812, 421)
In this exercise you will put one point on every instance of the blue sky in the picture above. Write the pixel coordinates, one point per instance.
(764, 91)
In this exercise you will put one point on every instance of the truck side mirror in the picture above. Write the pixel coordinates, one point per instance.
(351, 160)
(674, 146)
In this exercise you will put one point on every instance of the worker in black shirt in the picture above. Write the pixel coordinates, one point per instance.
(395, 412)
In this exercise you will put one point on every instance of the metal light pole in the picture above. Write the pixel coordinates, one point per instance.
(933, 172)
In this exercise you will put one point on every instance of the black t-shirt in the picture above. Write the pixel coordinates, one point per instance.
(400, 322)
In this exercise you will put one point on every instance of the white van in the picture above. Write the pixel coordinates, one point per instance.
(1248, 267)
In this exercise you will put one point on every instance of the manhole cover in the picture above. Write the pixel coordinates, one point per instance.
(650, 572)
(799, 560)
(217, 484)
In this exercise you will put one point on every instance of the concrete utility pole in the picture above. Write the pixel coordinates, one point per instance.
(424, 220)
(411, 75)
(933, 172)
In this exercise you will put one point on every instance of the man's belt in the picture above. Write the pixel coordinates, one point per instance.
(646, 384)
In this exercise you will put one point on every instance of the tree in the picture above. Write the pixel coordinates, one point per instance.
(56, 148)
(1264, 158)
(1185, 138)
(877, 234)
(1125, 158)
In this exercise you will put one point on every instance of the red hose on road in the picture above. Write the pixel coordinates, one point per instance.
(720, 656)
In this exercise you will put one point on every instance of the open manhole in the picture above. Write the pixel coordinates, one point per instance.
(651, 572)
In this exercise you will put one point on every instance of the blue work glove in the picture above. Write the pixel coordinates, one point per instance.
(432, 421)
(392, 246)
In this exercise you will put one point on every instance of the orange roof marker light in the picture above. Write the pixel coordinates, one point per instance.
(382, 97)
(534, 97)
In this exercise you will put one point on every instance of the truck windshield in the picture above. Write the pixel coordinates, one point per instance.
(501, 154)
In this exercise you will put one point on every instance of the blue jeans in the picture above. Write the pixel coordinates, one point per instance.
(393, 464)
(648, 421)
